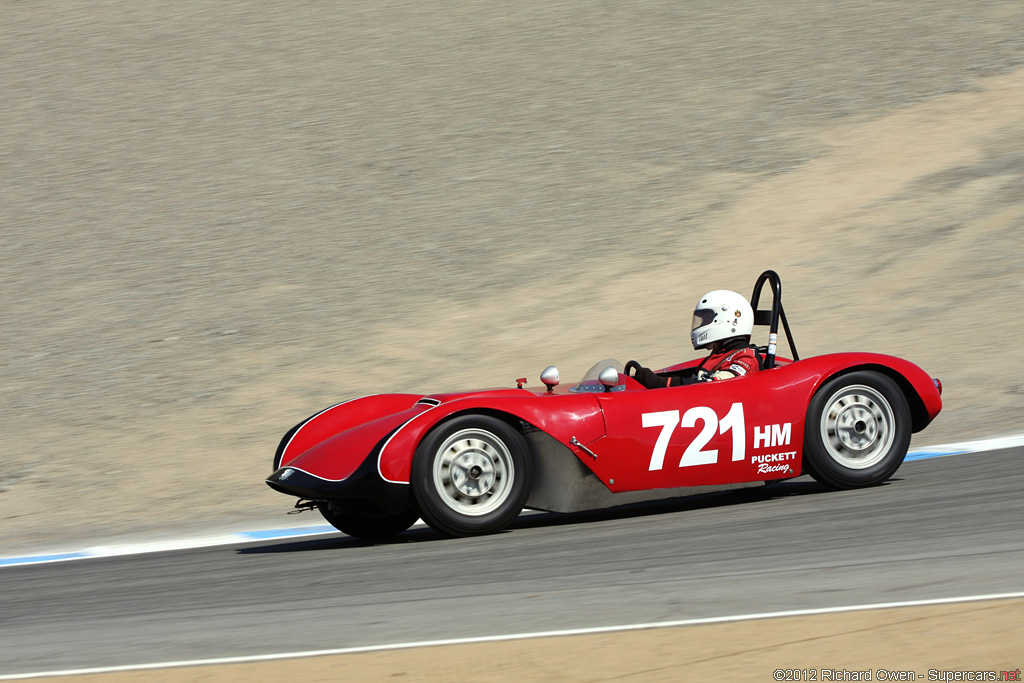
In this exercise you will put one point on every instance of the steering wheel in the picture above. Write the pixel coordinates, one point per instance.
(631, 365)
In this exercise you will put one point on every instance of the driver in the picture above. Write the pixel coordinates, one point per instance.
(722, 322)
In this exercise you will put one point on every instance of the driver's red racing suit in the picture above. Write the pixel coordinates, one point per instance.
(725, 364)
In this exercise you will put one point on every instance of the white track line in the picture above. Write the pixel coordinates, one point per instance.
(515, 636)
(993, 444)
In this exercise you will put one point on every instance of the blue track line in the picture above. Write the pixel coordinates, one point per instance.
(271, 534)
(38, 559)
(926, 454)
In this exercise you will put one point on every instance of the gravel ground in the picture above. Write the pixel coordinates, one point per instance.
(217, 218)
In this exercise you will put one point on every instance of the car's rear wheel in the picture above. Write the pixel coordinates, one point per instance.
(857, 431)
(370, 525)
(471, 475)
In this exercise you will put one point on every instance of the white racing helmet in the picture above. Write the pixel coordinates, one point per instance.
(721, 315)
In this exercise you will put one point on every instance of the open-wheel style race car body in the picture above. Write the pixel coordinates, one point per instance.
(469, 462)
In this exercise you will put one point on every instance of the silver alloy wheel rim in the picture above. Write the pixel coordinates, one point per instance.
(859, 427)
(473, 472)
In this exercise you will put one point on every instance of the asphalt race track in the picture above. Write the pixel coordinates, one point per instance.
(945, 527)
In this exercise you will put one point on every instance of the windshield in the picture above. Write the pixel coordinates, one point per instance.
(590, 381)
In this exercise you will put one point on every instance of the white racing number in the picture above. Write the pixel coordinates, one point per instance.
(667, 420)
(695, 453)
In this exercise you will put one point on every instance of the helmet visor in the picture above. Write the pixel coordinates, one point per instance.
(702, 317)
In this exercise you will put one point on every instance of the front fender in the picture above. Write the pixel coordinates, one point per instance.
(333, 455)
(345, 432)
(563, 416)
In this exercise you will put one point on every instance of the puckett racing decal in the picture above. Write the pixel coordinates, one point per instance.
(764, 437)
(774, 462)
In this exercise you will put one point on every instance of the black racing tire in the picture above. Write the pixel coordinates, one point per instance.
(471, 475)
(858, 430)
(370, 526)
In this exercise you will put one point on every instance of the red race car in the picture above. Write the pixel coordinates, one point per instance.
(469, 462)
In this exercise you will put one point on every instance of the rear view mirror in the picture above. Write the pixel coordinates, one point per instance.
(609, 377)
(550, 377)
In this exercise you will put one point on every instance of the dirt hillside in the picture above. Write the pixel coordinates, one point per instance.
(218, 218)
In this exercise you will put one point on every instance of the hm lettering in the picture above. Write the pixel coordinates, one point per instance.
(771, 436)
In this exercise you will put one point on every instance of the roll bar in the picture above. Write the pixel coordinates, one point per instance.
(771, 317)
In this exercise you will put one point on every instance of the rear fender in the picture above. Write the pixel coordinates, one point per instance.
(563, 417)
(922, 395)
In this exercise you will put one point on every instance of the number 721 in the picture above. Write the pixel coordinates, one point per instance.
(695, 453)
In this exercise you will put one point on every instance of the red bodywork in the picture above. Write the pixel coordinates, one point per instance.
(746, 429)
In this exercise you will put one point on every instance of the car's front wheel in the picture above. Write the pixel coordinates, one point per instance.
(858, 430)
(471, 475)
(370, 525)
